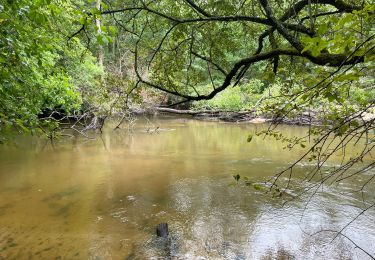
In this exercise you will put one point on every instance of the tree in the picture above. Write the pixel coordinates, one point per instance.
(319, 52)
(187, 36)
(41, 70)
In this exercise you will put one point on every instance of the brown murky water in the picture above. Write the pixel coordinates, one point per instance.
(101, 199)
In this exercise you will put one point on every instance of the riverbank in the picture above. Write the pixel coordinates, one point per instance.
(252, 116)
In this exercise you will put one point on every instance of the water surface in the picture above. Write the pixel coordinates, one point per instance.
(102, 198)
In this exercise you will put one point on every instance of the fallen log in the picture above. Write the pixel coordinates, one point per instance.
(197, 112)
(224, 115)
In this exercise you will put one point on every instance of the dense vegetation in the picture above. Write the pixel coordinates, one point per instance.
(80, 59)
(189, 50)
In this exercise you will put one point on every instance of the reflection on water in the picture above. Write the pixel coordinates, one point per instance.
(102, 199)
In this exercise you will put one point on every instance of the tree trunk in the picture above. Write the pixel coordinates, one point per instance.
(98, 24)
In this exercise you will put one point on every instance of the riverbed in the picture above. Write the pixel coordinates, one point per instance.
(102, 198)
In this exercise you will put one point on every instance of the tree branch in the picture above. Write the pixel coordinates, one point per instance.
(197, 8)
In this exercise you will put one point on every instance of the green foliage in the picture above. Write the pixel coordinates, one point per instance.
(242, 97)
(335, 34)
(40, 69)
(43, 67)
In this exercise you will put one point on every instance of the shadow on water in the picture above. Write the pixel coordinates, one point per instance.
(62, 194)
(5, 208)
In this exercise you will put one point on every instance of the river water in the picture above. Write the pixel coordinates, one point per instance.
(103, 198)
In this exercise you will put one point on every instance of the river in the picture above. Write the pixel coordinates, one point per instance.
(102, 198)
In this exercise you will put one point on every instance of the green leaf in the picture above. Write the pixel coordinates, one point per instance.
(322, 28)
(95, 11)
(82, 20)
(100, 39)
(331, 96)
(4, 16)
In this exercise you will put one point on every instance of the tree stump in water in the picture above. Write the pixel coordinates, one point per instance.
(162, 230)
